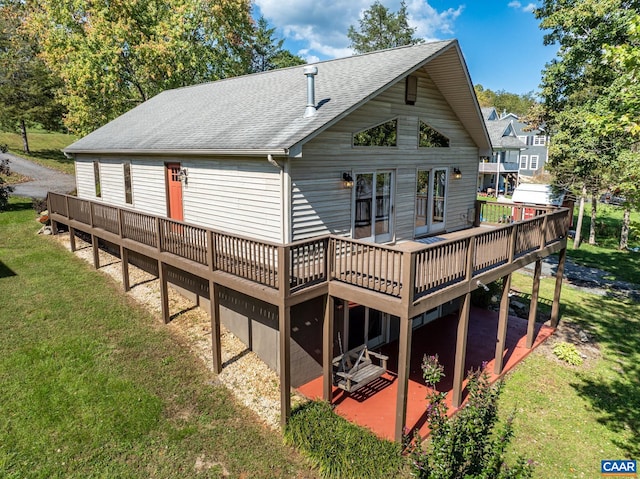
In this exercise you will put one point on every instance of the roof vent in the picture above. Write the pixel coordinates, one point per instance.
(310, 72)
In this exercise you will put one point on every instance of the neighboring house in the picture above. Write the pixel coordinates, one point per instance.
(498, 174)
(534, 157)
(294, 210)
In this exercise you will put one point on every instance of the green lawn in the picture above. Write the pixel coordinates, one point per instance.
(46, 148)
(93, 386)
(569, 418)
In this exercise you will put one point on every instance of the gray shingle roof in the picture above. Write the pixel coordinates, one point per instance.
(497, 130)
(257, 113)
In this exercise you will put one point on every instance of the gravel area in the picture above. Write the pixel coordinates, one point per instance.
(243, 373)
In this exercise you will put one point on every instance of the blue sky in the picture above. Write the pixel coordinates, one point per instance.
(500, 39)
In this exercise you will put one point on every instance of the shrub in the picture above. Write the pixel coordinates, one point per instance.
(482, 297)
(5, 190)
(338, 448)
(568, 353)
(469, 445)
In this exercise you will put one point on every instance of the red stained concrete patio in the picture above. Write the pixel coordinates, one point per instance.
(374, 405)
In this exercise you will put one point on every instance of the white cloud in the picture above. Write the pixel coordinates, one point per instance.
(321, 27)
(528, 8)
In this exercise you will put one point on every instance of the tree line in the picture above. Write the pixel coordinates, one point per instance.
(77, 64)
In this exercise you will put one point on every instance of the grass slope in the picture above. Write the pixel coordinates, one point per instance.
(46, 148)
(570, 418)
(93, 386)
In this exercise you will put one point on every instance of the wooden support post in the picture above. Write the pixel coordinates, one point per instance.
(533, 305)
(164, 291)
(54, 225)
(327, 349)
(461, 349)
(284, 317)
(404, 359)
(96, 251)
(124, 262)
(502, 324)
(214, 312)
(404, 349)
(555, 307)
(284, 323)
(72, 237)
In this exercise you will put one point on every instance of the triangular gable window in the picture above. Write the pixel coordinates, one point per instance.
(384, 134)
(430, 138)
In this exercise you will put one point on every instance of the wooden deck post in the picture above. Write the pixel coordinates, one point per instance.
(96, 251)
(502, 324)
(214, 312)
(404, 359)
(408, 278)
(124, 263)
(284, 323)
(72, 238)
(555, 307)
(461, 349)
(533, 305)
(164, 291)
(327, 349)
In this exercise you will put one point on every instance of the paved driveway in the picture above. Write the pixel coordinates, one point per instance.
(43, 179)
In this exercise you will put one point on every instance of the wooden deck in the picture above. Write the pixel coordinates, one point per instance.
(404, 280)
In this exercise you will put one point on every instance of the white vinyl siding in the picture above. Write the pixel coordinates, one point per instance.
(234, 195)
(321, 204)
(112, 181)
(148, 182)
(85, 184)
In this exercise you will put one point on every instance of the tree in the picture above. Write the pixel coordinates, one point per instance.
(576, 88)
(380, 28)
(28, 89)
(504, 101)
(267, 52)
(114, 55)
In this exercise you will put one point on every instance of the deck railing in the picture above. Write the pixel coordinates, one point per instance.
(367, 265)
(440, 265)
(377, 268)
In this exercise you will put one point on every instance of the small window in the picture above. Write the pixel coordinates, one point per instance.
(430, 138)
(128, 195)
(384, 134)
(539, 140)
(96, 178)
(533, 165)
(523, 161)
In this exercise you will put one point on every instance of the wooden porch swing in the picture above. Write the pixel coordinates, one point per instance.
(356, 369)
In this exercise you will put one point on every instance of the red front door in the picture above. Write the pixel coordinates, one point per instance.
(174, 192)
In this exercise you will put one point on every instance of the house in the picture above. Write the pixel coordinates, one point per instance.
(311, 207)
(498, 174)
(534, 156)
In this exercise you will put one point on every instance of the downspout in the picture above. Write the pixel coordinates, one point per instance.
(285, 199)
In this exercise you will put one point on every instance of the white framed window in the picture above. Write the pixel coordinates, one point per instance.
(533, 162)
(523, 161)
(128, 193)
(539, 140)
